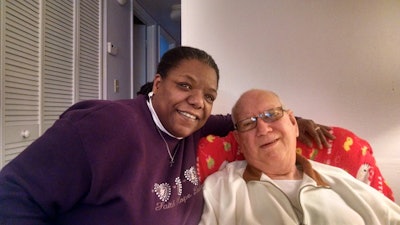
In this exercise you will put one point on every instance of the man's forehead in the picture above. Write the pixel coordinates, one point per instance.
(261, 102)
(254, 102)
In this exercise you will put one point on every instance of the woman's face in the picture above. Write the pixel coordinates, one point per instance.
(184, 99)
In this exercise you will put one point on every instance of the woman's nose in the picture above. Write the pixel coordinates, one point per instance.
(196, 99)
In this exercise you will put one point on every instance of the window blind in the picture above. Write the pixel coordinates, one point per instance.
(51, 57)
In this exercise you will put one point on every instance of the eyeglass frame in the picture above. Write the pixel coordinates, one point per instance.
(265, 116)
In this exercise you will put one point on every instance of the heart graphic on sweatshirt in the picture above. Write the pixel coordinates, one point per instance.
(163, 191)
(191, 175)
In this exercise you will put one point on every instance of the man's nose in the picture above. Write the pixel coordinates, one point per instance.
(262, 126)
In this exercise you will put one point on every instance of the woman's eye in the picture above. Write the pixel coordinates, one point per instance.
(185, 85)
(210, 98)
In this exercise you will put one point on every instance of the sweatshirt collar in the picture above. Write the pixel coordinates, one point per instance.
(156, 119)
(252, 173)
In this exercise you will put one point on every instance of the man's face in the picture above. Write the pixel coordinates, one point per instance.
(184, 99)
(270, 146)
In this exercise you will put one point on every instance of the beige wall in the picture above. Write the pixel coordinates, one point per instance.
(337, 62)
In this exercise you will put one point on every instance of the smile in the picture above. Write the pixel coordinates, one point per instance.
(270, 143)
(188, 115)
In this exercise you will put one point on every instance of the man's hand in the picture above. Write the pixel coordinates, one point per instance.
(310, 132)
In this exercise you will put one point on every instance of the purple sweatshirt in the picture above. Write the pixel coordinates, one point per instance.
(104, 162)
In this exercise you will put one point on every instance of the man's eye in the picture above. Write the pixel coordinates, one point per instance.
(275, 114)
(247, 123)
(271, 114)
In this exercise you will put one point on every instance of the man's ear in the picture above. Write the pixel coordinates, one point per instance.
(236, 136)
(291, 116)
(156, 83)
(293, 121)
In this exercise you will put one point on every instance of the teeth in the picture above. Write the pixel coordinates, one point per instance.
(188, 115)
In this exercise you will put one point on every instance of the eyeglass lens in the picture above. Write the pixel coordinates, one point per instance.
(268, 116)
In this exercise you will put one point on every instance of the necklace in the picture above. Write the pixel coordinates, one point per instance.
(172, 157)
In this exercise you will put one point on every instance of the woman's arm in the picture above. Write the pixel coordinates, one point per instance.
(310, 131)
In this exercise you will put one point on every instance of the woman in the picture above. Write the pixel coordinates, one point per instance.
(121, 162)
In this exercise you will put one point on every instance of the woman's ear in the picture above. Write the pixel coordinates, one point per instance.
(156, 83)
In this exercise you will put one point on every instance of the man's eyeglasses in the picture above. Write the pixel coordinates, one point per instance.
(268, 116)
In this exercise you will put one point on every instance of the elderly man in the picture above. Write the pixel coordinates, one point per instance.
(274, 185)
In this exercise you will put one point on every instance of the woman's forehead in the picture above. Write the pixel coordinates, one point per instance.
(195, 71)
